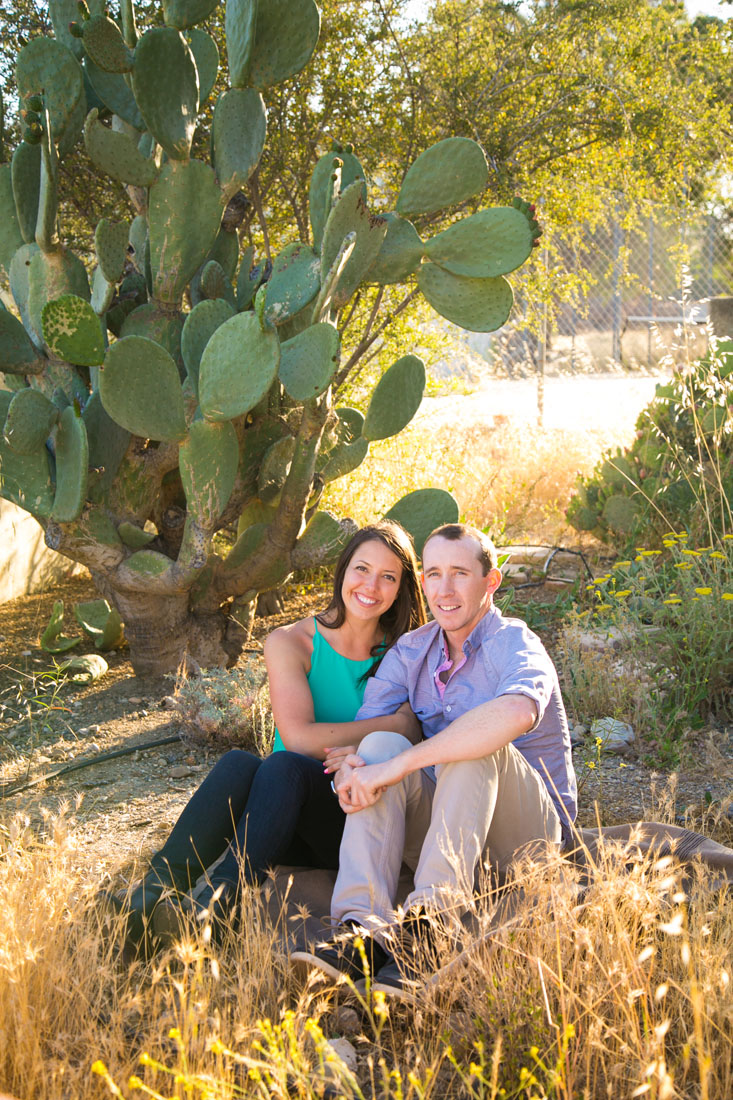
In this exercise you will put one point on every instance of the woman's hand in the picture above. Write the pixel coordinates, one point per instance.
(336, 756)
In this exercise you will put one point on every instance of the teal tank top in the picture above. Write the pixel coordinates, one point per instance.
(336, 684)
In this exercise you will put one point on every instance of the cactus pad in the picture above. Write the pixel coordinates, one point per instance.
(72, 466)
(206, 56)
(322, 541)
(479, 305)
(26, 176)
(344, 458)
(187, 13)
(117, 154)
(48, 67)
(101, 622)
(53, 640)
(163, 327)
(208, 458)
(103, 293)
(237, 137)
(141, 391)
(30, 418)
(133, 536)
(25, 479)
(110, 244)
(238, 366)
(277, 55)
(445, 174)
(108, 443)
(240, 21)
(294, 283)
(348, 215)
(72, 331)
(400, 254)
(185, 208)
(166, 87)
(10, 236)
(308, 361)
(421, 511)
(321, 188)
(200, 325)
(105, 45)
(396, 398)
(621, 513)
(274, 469)
(148, 563)
(17, 353)
(51, 275)
(114, 93)
(249, 541)
(484, 245)
(214, 284)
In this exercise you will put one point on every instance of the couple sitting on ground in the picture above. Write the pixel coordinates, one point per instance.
(443, 744)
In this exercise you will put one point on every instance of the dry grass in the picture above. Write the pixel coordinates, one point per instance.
(510, 478)
(616, 988)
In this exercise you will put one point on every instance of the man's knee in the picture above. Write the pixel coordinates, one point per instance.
(382, 745)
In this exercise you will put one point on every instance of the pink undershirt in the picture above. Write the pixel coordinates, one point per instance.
(446, 666)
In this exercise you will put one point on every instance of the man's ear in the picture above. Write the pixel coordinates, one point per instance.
(422, 581)
(493, 580)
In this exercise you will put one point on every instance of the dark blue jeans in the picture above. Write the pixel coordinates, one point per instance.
(279, 809)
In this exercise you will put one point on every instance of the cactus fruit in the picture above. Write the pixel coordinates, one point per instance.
(193, 386)
(446, 174)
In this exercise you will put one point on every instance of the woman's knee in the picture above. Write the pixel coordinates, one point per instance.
(288, 768)
(237, 765)
(382, 745)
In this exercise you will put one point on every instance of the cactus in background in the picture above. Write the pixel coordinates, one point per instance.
(178, 388)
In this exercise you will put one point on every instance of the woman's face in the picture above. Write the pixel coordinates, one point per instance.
(371, 581)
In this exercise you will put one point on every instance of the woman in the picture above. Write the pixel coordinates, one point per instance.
(281, 809)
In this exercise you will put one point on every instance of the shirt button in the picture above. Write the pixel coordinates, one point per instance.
(448, 709)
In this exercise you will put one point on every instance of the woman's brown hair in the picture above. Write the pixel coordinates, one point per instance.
(408, 609)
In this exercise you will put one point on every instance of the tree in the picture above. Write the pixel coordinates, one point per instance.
(139, 428)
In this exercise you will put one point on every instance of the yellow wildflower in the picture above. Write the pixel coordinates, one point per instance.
(622, 595)
(668, 543)
(621, 565)
(728, 536)
(607, 606)
(692, 553)
(717, 554)
(650, 553)
(135, 1082)
(99, 1068)
(703, 591)
(683, 565)
(673, 599)
(725, 596)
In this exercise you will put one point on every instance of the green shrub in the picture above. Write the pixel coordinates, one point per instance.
(678, 472)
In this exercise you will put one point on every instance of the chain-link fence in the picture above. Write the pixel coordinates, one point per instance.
(628, 297)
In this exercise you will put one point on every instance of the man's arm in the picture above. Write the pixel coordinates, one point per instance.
(477, 733)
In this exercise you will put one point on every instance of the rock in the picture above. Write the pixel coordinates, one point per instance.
(93, 747)
(617, 736)
(346, 1020)
(94, 729)
(134, 699)
(344, 1051)
(180, 771)
(26, 652)
(189, 760)
(58, 753)
(168, 702)
(599, 640)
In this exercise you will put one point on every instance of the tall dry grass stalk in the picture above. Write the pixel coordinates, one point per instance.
(613, 983)
(514, 479)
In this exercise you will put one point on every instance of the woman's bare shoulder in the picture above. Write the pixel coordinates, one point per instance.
(295, 639)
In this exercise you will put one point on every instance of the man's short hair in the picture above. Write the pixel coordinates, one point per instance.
(455, 531)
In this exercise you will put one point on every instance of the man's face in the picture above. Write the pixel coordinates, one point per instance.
(457, 591)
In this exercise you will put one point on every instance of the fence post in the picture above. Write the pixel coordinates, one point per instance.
(616, 337)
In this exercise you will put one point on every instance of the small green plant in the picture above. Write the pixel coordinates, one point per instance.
(678, 472)
(674, 605)
(222, 706)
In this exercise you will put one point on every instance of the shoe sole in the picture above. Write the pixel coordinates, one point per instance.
(304, 962)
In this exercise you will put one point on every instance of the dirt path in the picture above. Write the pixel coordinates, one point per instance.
(125, 806)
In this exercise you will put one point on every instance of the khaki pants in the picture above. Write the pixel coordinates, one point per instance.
(491, 806)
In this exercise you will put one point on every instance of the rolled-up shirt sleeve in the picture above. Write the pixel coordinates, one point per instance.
(387, 690)
(528, 670)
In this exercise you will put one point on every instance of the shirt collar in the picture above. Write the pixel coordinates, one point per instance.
(486, 626)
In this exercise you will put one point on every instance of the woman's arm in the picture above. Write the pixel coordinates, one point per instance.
(287, 656)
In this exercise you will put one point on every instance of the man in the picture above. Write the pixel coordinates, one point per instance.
(493, 773)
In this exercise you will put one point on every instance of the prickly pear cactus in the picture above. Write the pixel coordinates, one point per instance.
(180, 384)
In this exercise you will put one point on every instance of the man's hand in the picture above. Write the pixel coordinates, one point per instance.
(363, 785)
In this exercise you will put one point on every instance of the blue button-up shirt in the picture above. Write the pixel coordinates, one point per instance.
(501, 657)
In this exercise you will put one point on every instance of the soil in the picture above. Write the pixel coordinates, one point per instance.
(124, 806)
